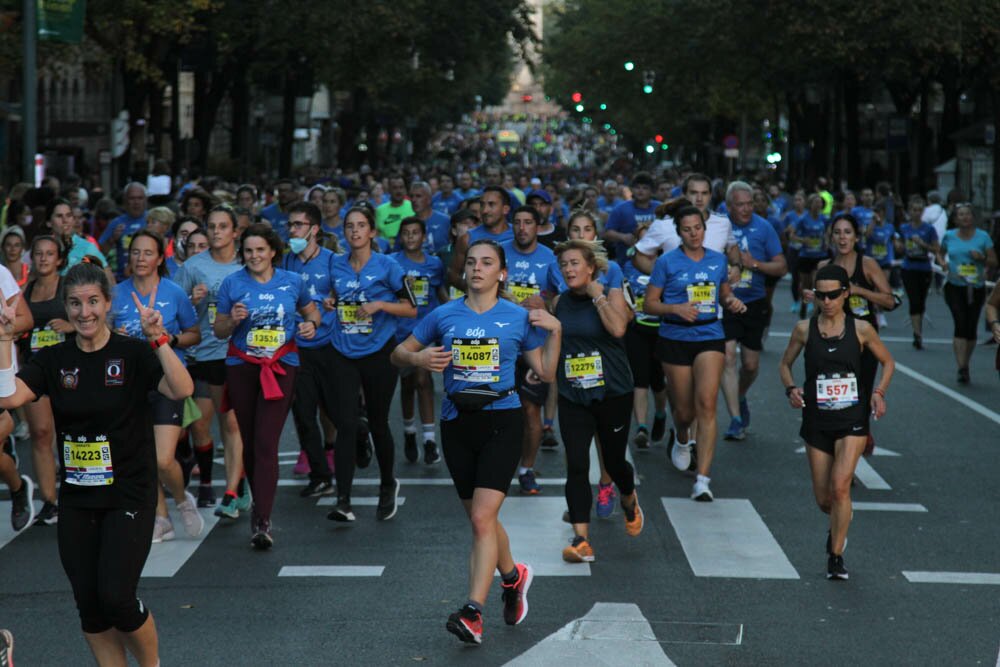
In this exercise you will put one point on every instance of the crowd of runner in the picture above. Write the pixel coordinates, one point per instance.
(619, 304)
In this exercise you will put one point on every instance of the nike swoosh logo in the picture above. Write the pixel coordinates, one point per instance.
(619, 428)
(831, 349)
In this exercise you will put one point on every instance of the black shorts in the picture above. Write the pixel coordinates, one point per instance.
(824, 440)
(748, 328)
(482, 449)
(771, 281)
(165, 411)
(640, 345)
(211, 372)
(533, 393)
(683, 352)
(808, 264)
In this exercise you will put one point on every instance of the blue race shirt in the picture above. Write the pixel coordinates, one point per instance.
(202, 269)
(173, 304)
(277, 218)
(915, 257)
(879, 244)
(438, 227)
(812, 234)
(426, 277)
(466, 194)
(612, 278)
(172, 266)
(316, 277)
(623, 219)
(758, 238)
(485, 347)
(446, 205)
(481, 232)
(130, 226)
(380, 279)
(604, 206)
(964, 271)
(272, 307)
(863, 215)
(639, 281)
(531, 274)
(791, 220)
(686, 281)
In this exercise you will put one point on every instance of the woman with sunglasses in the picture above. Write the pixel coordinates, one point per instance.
(476, 341)
(965, 254)
(835, 404)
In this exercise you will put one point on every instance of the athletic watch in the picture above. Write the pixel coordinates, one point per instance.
(790, 389)
(159, 342)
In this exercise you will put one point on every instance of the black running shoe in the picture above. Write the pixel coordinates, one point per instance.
(659, 428)
(262, 540)
(206, 496)
(6, 649)
(410, 447)
(48, 515)
(835, 567)
(641, 438)
(387, 495)
(431, 453)
(467, 625)
(22, 506)
(316, 488)
(342, 512)
(549, 438)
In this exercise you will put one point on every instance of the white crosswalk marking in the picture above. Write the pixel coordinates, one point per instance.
(6, 530)
(872, 480)
(964, 578)
(727, 538)
(362, 501)
(888, 507)
(538, 535)
(331, 571)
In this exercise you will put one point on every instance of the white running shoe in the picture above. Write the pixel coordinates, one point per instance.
(190, 517)
(701, 491)
(882, 323)
(680, 456)
(163, 530)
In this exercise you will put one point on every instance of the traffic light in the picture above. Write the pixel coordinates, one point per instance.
(664, 147)
(650, 149)
(579, 107)
(648, 89)
(577, 98)
(526, 98)
(659, 138)
(629, 66)
(604, 107)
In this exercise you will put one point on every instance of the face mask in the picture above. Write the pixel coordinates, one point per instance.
(297, 245)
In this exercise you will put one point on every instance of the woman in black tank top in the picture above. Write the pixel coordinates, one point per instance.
(834, 401)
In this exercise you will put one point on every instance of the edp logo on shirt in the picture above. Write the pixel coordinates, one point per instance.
(478, 332)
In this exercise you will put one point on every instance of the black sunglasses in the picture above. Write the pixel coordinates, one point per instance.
(829, 296)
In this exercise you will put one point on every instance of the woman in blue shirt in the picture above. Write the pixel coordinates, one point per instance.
(149, 286)
(256, 307)
(917, 241)
(686, 288)
(809, 233)
(369, 296)
(476, 341)
(969, 252)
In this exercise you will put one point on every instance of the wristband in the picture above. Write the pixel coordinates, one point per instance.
(8, 382)
(159, 342)
(789, 390)
(879, 392)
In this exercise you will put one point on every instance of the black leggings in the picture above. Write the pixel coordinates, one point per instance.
(916, 284)
(377, 377)
(103, 552)
(965, 304)
(792, 258)
(609, 420)
(640, 344)
(313, 390)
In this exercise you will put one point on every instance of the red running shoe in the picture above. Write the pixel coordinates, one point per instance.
(467, 625)
(515, 596)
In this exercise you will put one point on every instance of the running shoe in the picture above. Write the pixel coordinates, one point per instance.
(48, 515)
(869, 446)
(795, 307)
(244, 501)
(316, 488)
(882, 322)
(549, 438)
(410, 447)
(835, 567)
(529, 486)
(206, 496)
(745, 412)
(963, 376)
(190, 517)
(163, 530)
(641, 438)
(21, 431)
(227, 508)
(431, 453)
(578, 551)
(736, 431)
(680, 456)
(701, 492)
(918, 342)
(342, 512)
(6, 649)
(659, 428)
(634, 518)
(387, 496)
(515, 596)
(606, 495)
(301, 468)
(467, 625)
(22, 505)
(262, 540)
(365, 446)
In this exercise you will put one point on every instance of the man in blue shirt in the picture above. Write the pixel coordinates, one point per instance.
(760, 256)
(446, 201)
(607, 202)
(118, 234)
(465, 189)
(277, 213)
(436, 223)
(619, 232)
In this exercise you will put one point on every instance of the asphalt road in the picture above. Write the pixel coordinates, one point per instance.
(740, 582)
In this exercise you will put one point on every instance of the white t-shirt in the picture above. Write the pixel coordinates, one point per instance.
(936, 216)
(9, 288)
(158, 185)
(662, 235)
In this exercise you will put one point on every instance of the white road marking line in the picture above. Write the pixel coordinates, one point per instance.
(888, 507)
(357, 501)
(331, 571)
(167, 558)
(538, 535)
(954, 395)
(966, 578)
(727, 538)
(879, 451)
(610, 634)
(871, 479)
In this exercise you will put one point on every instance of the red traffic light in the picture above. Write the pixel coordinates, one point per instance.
(659, 138)
(577, 97)
(526, 98)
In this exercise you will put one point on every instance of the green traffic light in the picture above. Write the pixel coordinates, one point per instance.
(604, 107)
(648, 89)
(664, 147)
(579, 107)
(629, 66)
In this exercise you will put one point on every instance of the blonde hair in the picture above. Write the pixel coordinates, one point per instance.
(163, 215)
(592, 251)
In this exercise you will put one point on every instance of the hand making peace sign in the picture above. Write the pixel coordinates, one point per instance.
(149, 317)
(8, 313)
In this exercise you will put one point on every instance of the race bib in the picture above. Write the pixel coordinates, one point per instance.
(702, 295)
(522, 291)
(858, 305)
(476, 359)
(352, 320)
(213, 310)
(455, 293)
(265, 341)
(584, 371)
(969, 273)
(746, 278)
(641, 316)
(87, 461)
(45, 338)
(836, 392)
(813, 243)
(880, 251)
(421, 290)
(914, 251)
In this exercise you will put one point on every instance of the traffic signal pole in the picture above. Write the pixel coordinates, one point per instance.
(29, 104)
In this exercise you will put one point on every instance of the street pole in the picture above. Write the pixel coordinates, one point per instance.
(29, 105)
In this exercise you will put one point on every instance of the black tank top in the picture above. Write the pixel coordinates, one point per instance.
(833, 392)
(42, 312)
(860, 307)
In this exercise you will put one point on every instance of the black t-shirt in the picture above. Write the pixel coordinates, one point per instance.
(104, 425)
